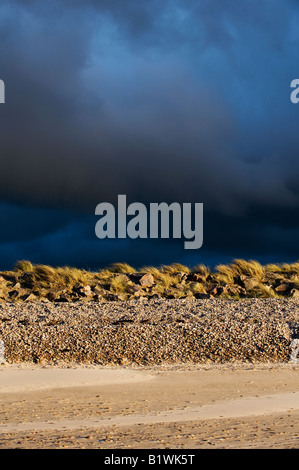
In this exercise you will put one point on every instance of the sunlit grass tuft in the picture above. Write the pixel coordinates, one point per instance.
(174, 268)
(121, 268)
(23, 265)
(248, 268)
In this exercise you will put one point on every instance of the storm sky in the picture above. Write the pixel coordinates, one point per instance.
(185, 101)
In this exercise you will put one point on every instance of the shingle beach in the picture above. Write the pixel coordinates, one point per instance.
(150, 331)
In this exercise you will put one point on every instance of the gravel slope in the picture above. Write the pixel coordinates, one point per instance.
(150, 331)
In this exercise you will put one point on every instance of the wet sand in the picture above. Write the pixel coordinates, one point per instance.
(179, 406)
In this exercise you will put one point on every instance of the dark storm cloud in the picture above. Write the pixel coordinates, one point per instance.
(175, 101)
(81, 126)
(89, 117)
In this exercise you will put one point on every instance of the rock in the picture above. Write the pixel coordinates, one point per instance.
(138, 293)
(110, 297)
(156, 295)
(221, 290)
(249, 284)
(198, 295)
(82, 290)
(135, 288)
(63, 298)
(295, 293)
(54, 294)
(98, 298)
(147, 280)
(13, 294)
(122, 296)
(213, 289)
(30, 298)
(176, 292)
(135, 277)
(284, 288)
(86, 290)
(3, 294)
(235, 290)
(217, 290)
(98, 290)
(195, 277)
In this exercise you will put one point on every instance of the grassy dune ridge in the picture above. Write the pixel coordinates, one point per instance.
(237, 280)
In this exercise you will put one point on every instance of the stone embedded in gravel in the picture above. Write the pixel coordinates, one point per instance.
(148, 332)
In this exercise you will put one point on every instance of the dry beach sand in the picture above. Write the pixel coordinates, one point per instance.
(119, 378)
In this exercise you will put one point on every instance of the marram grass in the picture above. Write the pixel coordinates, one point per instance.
(120, 281)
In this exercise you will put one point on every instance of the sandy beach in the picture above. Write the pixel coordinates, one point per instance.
(150, 374)
(212, 406)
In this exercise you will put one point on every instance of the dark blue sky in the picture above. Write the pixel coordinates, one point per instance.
(161, 101)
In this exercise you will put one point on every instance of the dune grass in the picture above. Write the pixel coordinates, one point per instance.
(238, 279)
